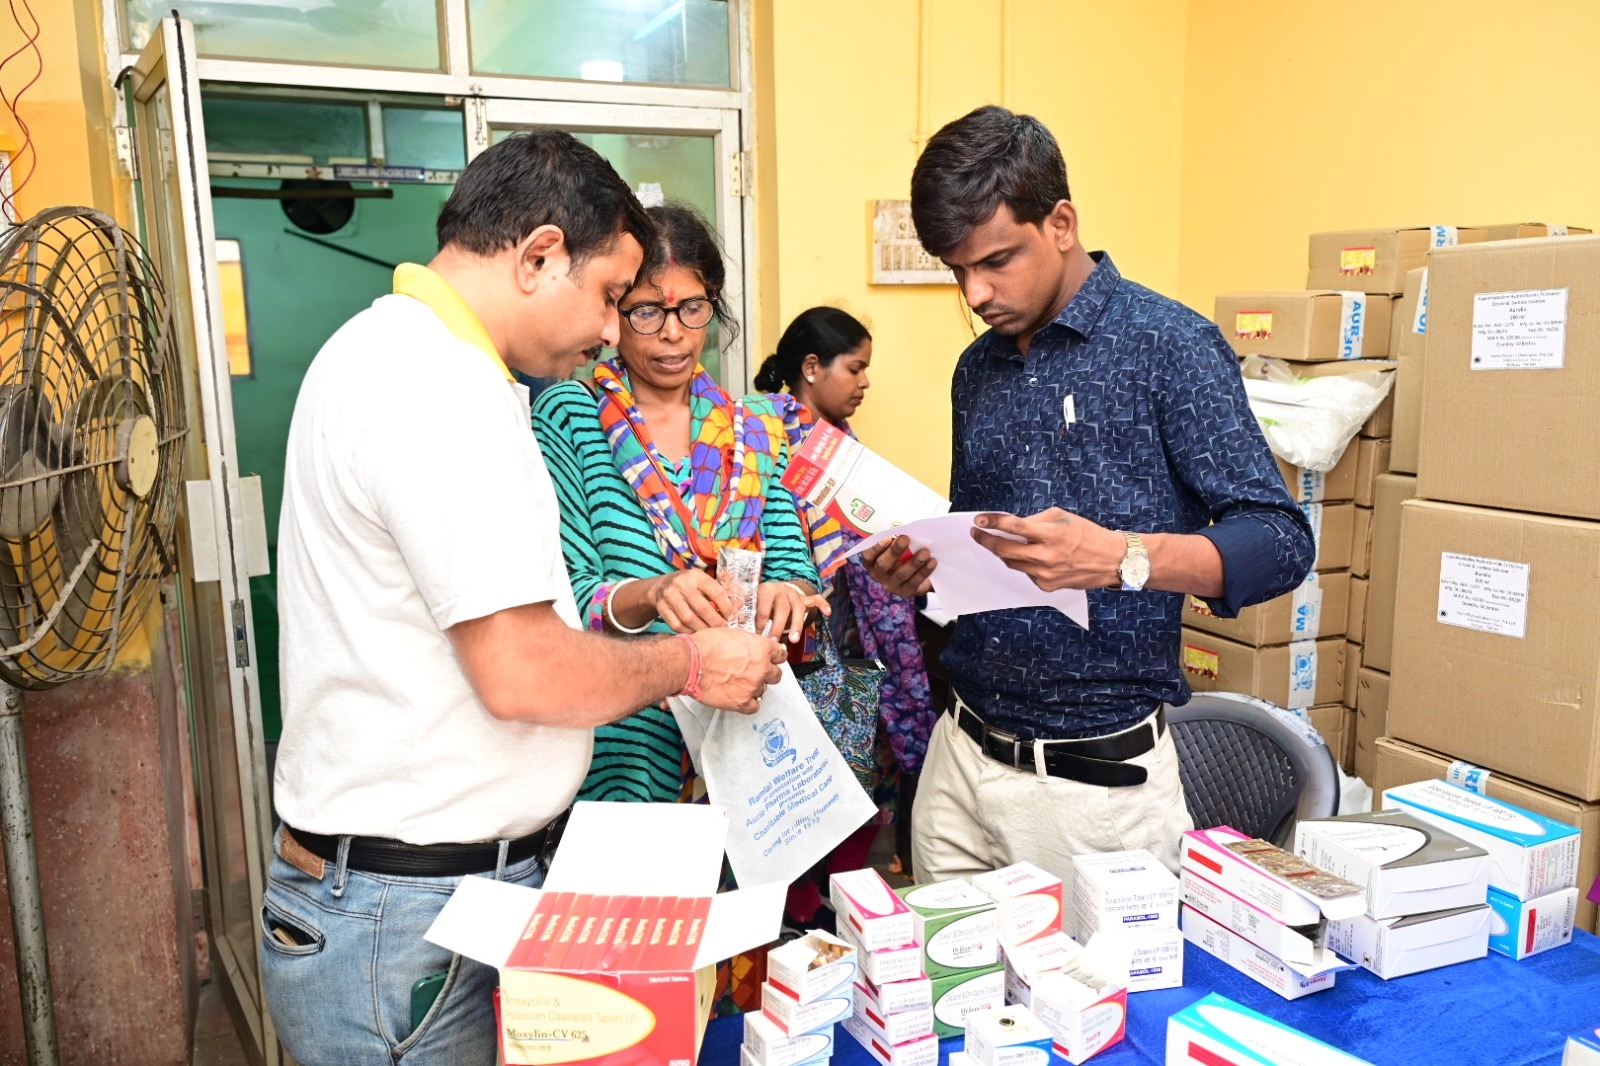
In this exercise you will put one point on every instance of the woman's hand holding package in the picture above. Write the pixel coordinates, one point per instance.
(782, 606)
(690, 600)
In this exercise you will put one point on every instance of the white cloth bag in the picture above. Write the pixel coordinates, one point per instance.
(791, 797)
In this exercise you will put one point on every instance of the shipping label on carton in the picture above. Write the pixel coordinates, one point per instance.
(921, 1052)
(1397, 947)
(1122, 890)
(1011, 1036)
(877, 917)
(1028, 901)
(1407, 865)
(1520, 928)
(1352, 325)
(1489, 595)
(1219, 856)
(955, 924)
(1529, 854)
(1220, 1032)
(770, 1046)
(1289, 980)
(1519, 330)
(962, 994)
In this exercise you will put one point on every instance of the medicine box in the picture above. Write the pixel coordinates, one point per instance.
(1207, 853)
(1141, 960)
(961, 994)
(1291, 981)
(793, 1017)
(955, 924)
(1123, 890)
(1529, 854)
(1407, 865)
(877, 918)
(1084, 1009)
(1292, 943)
(1520, 927)
(1027, 962)
(920, 1052)
(812, 967)
(768, 1045)
(1396, 947)
(885, 965)
(1220, 1032)
(1028, 901)
(898, 1028)
(1011, 1036)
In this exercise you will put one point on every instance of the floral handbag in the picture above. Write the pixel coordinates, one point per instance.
(844, 693)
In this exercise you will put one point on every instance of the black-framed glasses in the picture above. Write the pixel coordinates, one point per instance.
(648, 319)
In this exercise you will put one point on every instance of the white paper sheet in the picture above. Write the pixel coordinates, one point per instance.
(971, 578)
(640, 849)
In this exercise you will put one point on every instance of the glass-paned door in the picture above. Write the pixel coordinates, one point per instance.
(213, 583)
(680, 154)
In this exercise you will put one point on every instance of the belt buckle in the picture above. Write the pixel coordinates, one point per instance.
(1013, 740)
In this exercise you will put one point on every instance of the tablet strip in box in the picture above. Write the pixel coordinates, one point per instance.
(1218, 1031)
(1206, 852)
(1396, 947)
(793, 968)
(1258, 964)
(1529, 854)
(1407, 865)
(1522, 927)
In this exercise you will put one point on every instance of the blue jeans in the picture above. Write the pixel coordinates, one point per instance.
(340, 995)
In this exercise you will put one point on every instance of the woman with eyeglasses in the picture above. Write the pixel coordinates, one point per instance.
(656, 468)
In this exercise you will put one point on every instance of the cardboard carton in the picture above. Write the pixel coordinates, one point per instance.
(1292, 943)
(886, 965)
(1372, 720)
(1299, 675)
(1306, 326)
(1333, 527)
(896, 997)
(1011, 1036)
(1392, 491)
(770, 1046)
(1355, 619)
(960, 995)
(1315, 486)
(1140, 960)
(1409, 320)
(1497, 655)
(1209, 853)
(1529, 855)
(1409, 331)
(1352, 671)
(1319, 607)
(1289, 980)
(1122, 890)
(1376, 260)
(1400, 763)
(1523, 927)
(1361, 543)
(1347, 761)
(876, 917)
(1395, 947)
(1407, 865)
(794, 966)
(920, 1052)
(1218, 1031)
(1372, 459)
(1330, 722)
(955, 924)
(1512, 377)
(1029, 902)
(1520, 231)
(638, 996)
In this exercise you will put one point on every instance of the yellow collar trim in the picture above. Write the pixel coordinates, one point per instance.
(420, 283)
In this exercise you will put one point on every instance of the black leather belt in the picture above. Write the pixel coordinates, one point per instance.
(380, 855)
(1091, 760)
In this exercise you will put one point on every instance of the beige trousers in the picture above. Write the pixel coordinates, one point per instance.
(974, 814)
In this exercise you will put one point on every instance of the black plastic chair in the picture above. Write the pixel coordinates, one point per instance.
(1251, 765)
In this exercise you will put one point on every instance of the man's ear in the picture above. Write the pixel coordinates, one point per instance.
(541, 254)
(1061, 225)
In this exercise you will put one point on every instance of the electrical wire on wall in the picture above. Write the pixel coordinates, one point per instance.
(14, 67)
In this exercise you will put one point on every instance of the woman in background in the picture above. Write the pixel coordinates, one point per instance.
(822, 360)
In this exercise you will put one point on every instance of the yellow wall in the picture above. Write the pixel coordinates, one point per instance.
(1106, 78)
(1302, 117)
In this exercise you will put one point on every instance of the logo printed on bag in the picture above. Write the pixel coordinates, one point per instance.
(775, 745)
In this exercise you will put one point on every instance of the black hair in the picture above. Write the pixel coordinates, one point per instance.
(983, 159)
(538, 178)
(684, 238)
(825, 332)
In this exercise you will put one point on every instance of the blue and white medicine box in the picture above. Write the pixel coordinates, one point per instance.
(1583, 1049)
(1529, 855)
(1227, 1032)
(1523, 927)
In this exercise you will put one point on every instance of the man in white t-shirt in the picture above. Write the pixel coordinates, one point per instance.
(438, 694)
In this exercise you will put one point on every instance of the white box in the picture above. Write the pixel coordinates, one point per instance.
(1141, 960)
(748, 1058)
(768, 1045)
(1011, 1036)
(1395, 947)
(1122, 889)
(1529, 855)
(1231, 1034)
(1520, 928)
(961, 994)
(921, 1052)
(790, 966)
(1027, 962)
(877, 917)
(899, 1028)
(1288, 942)
(896, 996)
(885, 965)
(1206, 852)
(1407, 865)
(955, 924)
(1583, 1049)
(1289, 980)
(1029, 902)
(794, 1017)
(1085, 1010)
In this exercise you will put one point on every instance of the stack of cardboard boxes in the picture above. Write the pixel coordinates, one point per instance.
(1496, 648)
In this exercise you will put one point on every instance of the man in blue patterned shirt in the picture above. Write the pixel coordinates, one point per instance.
(1105, 430)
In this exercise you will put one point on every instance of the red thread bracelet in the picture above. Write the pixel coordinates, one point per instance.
(691, 687)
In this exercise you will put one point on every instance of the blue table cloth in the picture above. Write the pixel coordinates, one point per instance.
(1493, 1010)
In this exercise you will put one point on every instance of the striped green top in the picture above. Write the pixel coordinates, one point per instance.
(605, 535)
